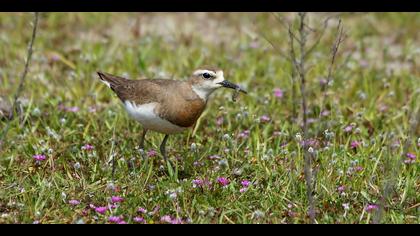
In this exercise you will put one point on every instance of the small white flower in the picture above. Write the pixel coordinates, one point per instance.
(193, 147)
(298, 137)
(36, 111)
(346, 206)
(265, 157)
(257, 214)
(237, 171)
(362, 95)
(310, 150)
(173, 195)
(223, 163)
(109, 186)
(80, 222)
(76, 165)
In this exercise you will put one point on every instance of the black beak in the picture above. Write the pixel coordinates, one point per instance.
(228, 84)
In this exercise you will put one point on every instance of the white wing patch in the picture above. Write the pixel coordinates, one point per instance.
(146, 115)
(106, 82)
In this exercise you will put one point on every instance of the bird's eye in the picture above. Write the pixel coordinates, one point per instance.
(206, 75)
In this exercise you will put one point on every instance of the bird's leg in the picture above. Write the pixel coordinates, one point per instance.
(163, 147)
(142, 138)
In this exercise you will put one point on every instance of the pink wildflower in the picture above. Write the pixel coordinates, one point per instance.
(358, 168)
(355, 144)
(264, 119)
(176, 221)
(244, 134)
(72, 109)
(219, 121)
(101, 210)
(325, 113)
(348, 128)
(214, 157)
(254, 44)
(245, 183)
(114, 219)
(278, 93)
(223, 181)
(74, 202)
(115, 199)
(166, 218)
(39, 157)
(139, 220)
(371, 207)
(142, 210)
(197, 183)
(151, 153)
(411, 156)
(87, 147)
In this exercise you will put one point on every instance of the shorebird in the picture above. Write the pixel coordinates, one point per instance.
(165, 105)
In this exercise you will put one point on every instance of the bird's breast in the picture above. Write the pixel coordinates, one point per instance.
(184, 113)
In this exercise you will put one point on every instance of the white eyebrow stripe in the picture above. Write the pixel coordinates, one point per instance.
(200, 72)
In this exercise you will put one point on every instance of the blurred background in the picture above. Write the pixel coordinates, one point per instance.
(365, 122)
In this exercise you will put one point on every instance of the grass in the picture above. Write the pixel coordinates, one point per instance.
(65, 107)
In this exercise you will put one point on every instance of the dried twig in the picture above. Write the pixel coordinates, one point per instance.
(286, 25)
(320, 35)
(281, 52)
(22, 78)
(298, 54)
(294, 67)
(340, 38)
(302, 74)
(334, 50)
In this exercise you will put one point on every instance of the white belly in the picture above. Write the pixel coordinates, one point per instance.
(146, 116)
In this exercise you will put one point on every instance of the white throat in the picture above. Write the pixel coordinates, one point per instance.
(202, 92)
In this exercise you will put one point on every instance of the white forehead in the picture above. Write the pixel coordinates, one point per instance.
(212, 73)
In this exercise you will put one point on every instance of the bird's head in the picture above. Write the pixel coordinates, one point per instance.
(206, 80)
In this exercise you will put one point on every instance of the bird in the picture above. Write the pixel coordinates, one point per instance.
(167, 106)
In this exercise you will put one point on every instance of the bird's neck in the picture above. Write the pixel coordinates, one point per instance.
(202, 92)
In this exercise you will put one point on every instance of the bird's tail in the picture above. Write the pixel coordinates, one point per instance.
(110, 80)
